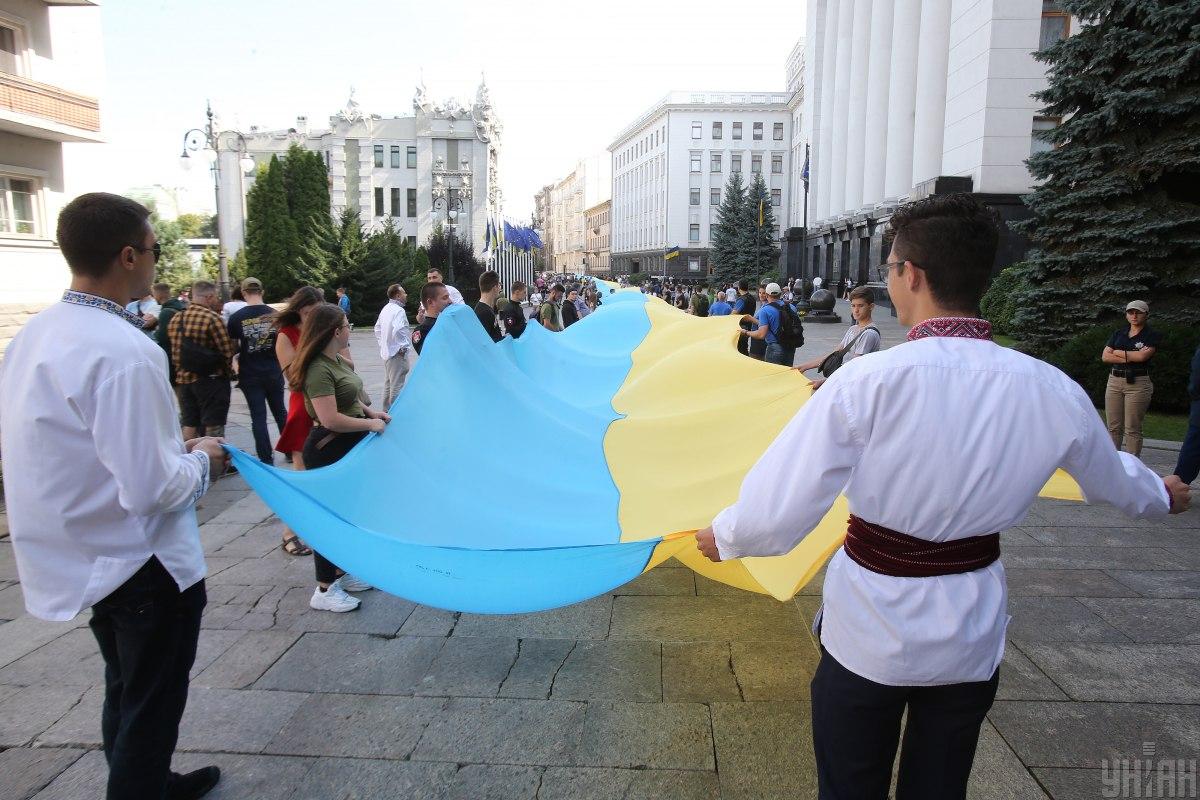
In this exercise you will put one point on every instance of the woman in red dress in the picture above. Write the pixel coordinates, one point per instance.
(299, 423)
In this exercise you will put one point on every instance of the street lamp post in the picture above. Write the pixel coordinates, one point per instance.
(205, 143)
(449, 201)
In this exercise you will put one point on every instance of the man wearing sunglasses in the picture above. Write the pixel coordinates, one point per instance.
(101, 491)
(938, 444)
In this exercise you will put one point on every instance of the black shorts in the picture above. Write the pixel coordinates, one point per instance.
(205, 402)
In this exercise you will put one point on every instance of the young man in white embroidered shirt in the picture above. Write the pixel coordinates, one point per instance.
(101, 517)
(977, 429)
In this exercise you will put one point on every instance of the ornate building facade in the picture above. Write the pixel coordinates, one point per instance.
(409, 169)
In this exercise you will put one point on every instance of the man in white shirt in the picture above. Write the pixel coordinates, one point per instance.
(394, 338)
(931, 447)
(101, 488)
(434, 275)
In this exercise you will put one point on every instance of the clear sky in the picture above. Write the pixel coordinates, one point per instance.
(565, 77)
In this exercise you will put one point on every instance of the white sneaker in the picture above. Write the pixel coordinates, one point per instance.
(333, 599)
(349, 583)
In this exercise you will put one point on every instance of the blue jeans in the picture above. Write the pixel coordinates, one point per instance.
(1189, 455)
(778, 354)
(260, 393)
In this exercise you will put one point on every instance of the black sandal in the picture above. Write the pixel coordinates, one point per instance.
(294, 547)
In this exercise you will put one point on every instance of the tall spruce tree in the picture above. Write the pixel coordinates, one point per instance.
(467, 266)
(1116, 216)
(272, 243)
(344, 247)
(386, 259)
(762, 230)
(728, 239)
(307, 184)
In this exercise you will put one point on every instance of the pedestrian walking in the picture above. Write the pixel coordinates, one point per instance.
(203, 357)
(252, 330)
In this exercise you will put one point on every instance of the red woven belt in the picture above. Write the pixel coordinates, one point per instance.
(888, 552)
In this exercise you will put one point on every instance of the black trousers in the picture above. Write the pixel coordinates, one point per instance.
(261, 393)
(147, 630)
(856, 729)
(322, 448)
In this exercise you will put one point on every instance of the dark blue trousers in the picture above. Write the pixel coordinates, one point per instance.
(261, 393)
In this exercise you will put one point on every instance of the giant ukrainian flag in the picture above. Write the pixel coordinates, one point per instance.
(524, 475)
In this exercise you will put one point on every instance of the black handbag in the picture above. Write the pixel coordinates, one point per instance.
(197, 358)
(834, 360)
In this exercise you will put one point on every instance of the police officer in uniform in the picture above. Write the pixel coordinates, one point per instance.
(435, 297)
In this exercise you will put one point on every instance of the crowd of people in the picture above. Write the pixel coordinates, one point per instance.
(114, 413)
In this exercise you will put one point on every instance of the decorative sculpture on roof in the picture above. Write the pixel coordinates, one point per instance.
(421, 100)
(352, 112)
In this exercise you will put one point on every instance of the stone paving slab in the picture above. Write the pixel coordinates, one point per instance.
(28, 770)
(771, 671)
(466, 666)
(376, 780)
(1020, 679)
(1065, 583)
(1058, 619)
(764, 751)
(646, 736)
(698, 672)
(537, 664)
(246, 660)
(362, 726)
(352, 663)
(680, 619)
(1161, 583)
(27, 711)
(586, 620)
(1122, 673)
(1084, 734)
(611, 670)
(503, 731)
(1146, 620)
(572, 783)
(1103, 558)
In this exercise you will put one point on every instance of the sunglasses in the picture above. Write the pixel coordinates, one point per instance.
(156, 249)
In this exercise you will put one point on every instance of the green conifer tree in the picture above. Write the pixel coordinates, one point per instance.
(272, 243)
(307, 183)
(762, 232)
(726, 252)
(1116, 215)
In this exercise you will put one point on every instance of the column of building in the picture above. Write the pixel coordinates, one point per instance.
(822, 166)
(929, 115)
(898, 169)
(841, 105)
(856, 135)
(878, 84)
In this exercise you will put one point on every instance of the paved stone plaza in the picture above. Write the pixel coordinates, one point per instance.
(672, 686)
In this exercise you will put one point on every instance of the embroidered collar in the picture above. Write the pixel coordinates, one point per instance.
(953, 327)
(102, 303)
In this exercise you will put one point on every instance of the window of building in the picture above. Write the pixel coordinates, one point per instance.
(379, 201)
(715, 163)
(777, 132)
(395, 204)
(718, 131)
(412, 202)
(777, 197)
(714, 197)
(737, 130)
(694, 232)
(395, 154)
(1038, 144)
(17, 205)
(697, 130)
(758, 128)
(1056, 24)
(696, 162)
(412, 240)
(693, 263)
(735, 162)
(11, 46)
(777, 164)
(412, 158)
(378, 155)
(755, 162)
(694, 198)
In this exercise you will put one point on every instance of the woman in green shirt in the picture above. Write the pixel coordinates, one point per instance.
(332, 392)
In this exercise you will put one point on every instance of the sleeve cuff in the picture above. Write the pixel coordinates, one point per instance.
(722, 526)
(205, 471)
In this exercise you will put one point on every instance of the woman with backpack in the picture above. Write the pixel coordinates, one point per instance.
(860, 339)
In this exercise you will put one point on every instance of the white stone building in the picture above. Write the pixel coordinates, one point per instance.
(597, 238)
(669, 172)
(589, 184)
(908, 98)
(392, 167)
(49, 84)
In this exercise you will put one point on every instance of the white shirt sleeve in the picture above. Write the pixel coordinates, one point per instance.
(401, 332)
(136, 435)
(455, 295)
(795, 482)
(1109, 476)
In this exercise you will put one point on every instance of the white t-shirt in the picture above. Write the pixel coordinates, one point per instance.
(868, 342)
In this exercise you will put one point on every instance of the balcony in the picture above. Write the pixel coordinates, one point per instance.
(41, 111)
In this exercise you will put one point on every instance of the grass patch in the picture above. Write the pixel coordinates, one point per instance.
(1004, 341)
(1168, 427)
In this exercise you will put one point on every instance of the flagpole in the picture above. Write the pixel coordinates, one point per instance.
(804, 247)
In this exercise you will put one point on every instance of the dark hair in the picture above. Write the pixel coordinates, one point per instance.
(558, 287)
(318, 329)
(863, 293)
(342, 289)
(488, 281)
(161, 287)
(394, 291)
(236, 294)
(744, 285)
(518, 286)
(94, 228)
(953, 238)
(302, 298)
(433, 269)
(429, 292)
